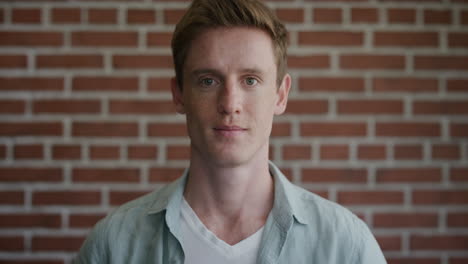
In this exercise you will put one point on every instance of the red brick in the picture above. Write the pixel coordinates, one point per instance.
(105, 129)
(66, 152)
(104, 152)
(438, 242)
(411, 85)
(121, 197)
(458, 260)
(439, 107)
(56, 243)
(11, 243)
(406, 39)
(159, 39)
(334, 152)
(115, 175)
(141, 107)
(372, 152)
(31, 38)
(370, 197)
(159, 84)
(26, 15)
(413, 260)
(408, 175)
(69, 61)
(459, 129)
(103, 39)
(30, 220)
(368, 62)
(17, 129)
(84, 220)
(334, 175)
(102, 16)
(141, 16)
(333, 129)
(331, 84)
(457, 86)
(457, 219)
(374, 107)
(437, 16)
(440, 197)
(2, 15)
(69, 198)
(407, 129)
(167, 130)
(389, 243)
(309, 62)
(28, 151)
(172, 16)
(401, 15)
(464, 17)
(297, 152)
(408, 152)
(307, 107)
(11, 197)
(327, 15)
(142, 152)
(12, 106)
(446, 151)
(281, 130)
(66, 106)
(3, 151)
(405, 220)
(331, 38)
(290, 15)
(142, 62)
(441, 62)
(364, 15)
(13, 61)
(165, 174)
(178, 152)
(458, 40)
(105, 84)
(66, 15)
(459, 174)
(32, 84)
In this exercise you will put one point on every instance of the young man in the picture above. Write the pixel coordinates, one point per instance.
(231, 205)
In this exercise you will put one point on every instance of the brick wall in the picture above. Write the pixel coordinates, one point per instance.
(377, 120)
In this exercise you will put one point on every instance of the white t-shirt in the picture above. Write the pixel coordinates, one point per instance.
(202, 246)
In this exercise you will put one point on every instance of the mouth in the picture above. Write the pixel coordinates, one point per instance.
(229, 131)
(229, 128)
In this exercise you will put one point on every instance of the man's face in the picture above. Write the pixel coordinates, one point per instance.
(230, 95)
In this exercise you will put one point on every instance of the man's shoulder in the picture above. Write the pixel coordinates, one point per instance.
(152, 202)
(314, 207)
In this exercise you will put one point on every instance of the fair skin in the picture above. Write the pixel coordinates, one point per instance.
(229, 96)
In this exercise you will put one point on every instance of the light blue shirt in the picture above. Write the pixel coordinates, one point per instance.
(301, 228)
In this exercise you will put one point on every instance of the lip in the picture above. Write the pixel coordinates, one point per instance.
(229, 128)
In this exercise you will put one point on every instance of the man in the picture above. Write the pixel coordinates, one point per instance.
(231, 205)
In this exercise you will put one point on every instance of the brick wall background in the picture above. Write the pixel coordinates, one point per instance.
(377, 119)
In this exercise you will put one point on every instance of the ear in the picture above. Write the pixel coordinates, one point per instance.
(282, 95)
(177, 97)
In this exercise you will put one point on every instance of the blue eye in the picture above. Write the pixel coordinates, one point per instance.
(207, 82)
(250, 81)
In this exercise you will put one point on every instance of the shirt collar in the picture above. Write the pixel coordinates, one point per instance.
(287, 200)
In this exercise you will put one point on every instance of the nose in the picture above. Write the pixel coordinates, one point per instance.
(229, 99)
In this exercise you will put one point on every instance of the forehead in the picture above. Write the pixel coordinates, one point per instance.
(231, 49)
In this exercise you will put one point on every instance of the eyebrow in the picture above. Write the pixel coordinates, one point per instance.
(216, 72)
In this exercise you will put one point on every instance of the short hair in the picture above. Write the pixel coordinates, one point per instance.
(208, 14)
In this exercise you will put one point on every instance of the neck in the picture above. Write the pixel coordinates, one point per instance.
(235, 198)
